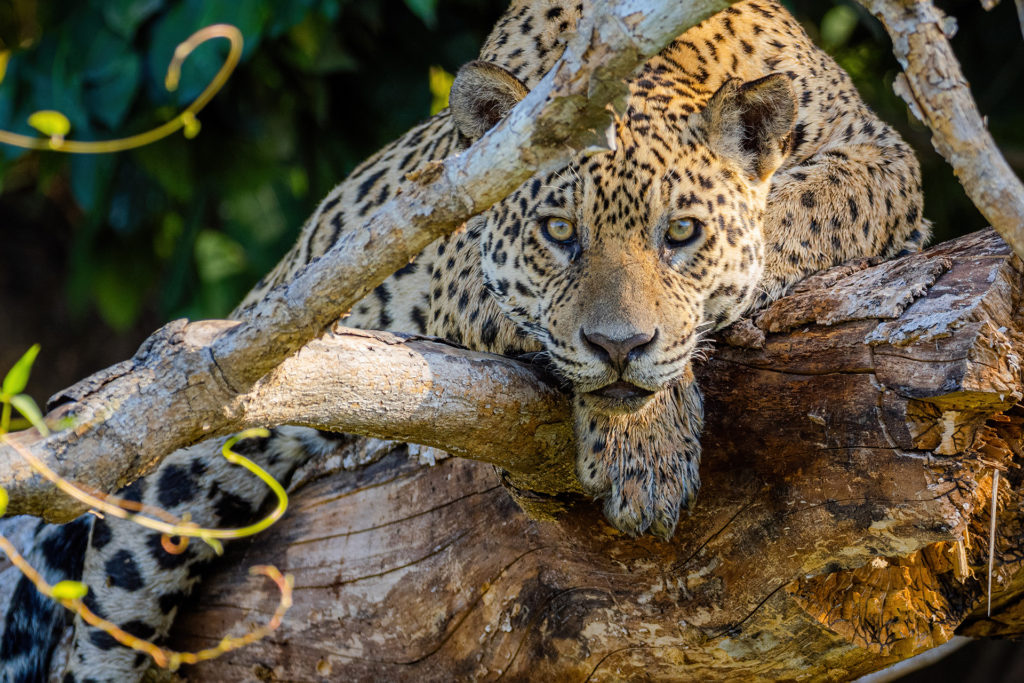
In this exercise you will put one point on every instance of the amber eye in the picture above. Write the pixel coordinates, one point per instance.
(682, 232)
(558, 230)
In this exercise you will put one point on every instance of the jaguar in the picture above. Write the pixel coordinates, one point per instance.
(742, 161)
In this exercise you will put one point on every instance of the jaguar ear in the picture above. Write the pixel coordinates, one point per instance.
(481, 96)
(751, 122)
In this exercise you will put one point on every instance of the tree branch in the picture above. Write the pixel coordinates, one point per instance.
(934, 87)
(558, 116)
(475, 405)
(195, 370)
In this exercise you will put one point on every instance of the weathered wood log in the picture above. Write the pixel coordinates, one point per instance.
(851, 436)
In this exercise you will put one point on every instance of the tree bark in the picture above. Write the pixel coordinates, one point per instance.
(851, 435)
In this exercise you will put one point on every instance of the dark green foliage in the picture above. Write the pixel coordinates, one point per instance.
(184, 227)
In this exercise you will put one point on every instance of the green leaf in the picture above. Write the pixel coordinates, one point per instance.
(110, 94)
(135, 199)
(169, 163)
(90, 177)
(249, 17)
(287, 15)
(97, 46)
(197, 71)
(298, 182)
(3, 501)
(50, 123)
(316, 48)
(51, 78)
(17, 377)
(837, 26)
(168, 235)
(124, 16)
(218, 256)
(440, 85)
(254, 217)
(70, 590)
(118, 298)
(5, 55)
(30, 411)
(7, 100)
(330, 9)
(426, 10)
(48, 80)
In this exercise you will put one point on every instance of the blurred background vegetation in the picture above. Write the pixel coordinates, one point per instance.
(98, 251)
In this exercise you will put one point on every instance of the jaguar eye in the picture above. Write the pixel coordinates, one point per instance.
(683, 232)
(558, 230)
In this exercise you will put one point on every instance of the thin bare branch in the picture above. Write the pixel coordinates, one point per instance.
(934, 87)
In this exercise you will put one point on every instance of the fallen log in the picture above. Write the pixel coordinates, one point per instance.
(852, 431)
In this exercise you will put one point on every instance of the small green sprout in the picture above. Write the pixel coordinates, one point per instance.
(11, 394)
(52, 124)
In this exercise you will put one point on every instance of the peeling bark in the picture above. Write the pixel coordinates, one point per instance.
(842, 525)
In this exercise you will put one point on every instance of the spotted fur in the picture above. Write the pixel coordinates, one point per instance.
(741, 126)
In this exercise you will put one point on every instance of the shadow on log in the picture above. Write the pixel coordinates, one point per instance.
(852, 432)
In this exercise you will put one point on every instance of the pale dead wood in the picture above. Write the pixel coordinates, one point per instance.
(193, 371)
(495, 409)
(842, 525)
(934, 86)
(475, 405)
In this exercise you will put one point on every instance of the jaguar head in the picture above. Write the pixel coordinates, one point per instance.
(621, 261)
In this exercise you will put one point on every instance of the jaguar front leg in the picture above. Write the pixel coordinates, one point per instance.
(644, 464)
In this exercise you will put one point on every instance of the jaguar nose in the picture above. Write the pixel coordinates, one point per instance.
(618, 352)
